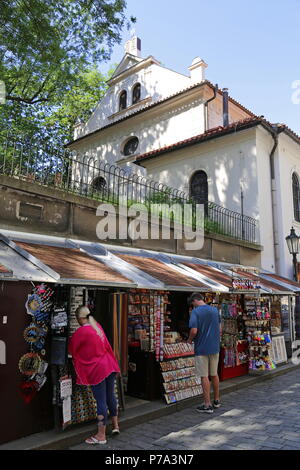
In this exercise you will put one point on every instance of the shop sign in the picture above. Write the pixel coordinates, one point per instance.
(245, 284)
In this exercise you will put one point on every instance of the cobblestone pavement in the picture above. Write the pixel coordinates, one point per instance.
(262, 416)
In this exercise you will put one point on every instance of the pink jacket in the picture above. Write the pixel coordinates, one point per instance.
(93, 357)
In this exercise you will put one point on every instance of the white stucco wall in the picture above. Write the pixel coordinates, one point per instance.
(230, 163)
(264, 145)
(155, 129)
(287, 160)
(157, 82)
(226, 161)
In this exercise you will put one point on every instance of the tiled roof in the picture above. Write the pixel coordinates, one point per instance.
(210, 134)
(162, 272)
(283, 279)
(71, 263)
(289, 132)
(211, 273)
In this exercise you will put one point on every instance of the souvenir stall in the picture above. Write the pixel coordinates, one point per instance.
(76, 403)
(52, 322)
(47, 339)
(234, 354)
(161, 363)
(246, 327)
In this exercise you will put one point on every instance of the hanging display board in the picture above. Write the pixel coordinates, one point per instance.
(234, 355)
(32, 365)
(258, 329)
(279, 349)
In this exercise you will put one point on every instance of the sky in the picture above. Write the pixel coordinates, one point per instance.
(252, 48)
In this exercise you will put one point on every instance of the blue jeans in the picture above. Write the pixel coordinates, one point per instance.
(104, 394)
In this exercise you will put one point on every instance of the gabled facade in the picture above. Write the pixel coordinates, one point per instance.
(167, 107)
(185, 132)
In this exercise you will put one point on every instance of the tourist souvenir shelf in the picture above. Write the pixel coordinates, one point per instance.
(146, 320)
(234, 348)
(257, 320)
(178, 368)
(179, 378)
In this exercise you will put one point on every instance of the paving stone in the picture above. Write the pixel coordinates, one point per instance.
(295, 440)
(289, 446)
(258, 417)
(273, 445)
(173, 446)
(248, 446)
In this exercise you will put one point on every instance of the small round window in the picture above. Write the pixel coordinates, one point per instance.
(99, 183)
(131, 146)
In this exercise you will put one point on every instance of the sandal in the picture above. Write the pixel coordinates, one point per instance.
(92, 441)
(116, 431)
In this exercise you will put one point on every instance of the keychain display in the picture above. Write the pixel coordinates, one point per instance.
(258, 330)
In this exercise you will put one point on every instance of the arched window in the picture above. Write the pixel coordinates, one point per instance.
(123, 100)
(99, 184)
(296, 196)
(136, 93)
(131, 146)
(199, 187)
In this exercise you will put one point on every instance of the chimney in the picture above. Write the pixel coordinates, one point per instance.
(133, 46)
(197, 70)
(225, 107)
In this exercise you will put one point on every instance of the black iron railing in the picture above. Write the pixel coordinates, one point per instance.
(84, 175)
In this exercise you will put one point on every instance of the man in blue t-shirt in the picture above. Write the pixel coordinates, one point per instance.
(205, 332)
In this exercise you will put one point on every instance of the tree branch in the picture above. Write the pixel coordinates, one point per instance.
(19, 99)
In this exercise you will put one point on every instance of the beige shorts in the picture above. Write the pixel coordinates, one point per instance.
(207, 365)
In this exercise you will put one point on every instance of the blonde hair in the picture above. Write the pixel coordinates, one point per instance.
(84, 312)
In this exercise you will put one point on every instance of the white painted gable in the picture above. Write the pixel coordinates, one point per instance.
(127, 62)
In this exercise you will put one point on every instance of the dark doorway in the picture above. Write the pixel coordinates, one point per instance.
(99, 304)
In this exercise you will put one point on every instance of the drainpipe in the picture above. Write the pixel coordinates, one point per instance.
(274, 134)
(225, 107)
(216, 87)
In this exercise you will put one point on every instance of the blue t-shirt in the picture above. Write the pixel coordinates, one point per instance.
(207, 321)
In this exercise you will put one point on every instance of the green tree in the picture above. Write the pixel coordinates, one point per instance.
(50, 51)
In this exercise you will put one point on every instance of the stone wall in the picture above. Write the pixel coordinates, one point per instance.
(30, 207)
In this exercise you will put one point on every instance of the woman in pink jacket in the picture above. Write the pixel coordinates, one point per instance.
(95, 364)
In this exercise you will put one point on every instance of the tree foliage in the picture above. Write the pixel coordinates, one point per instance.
(50, 51)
